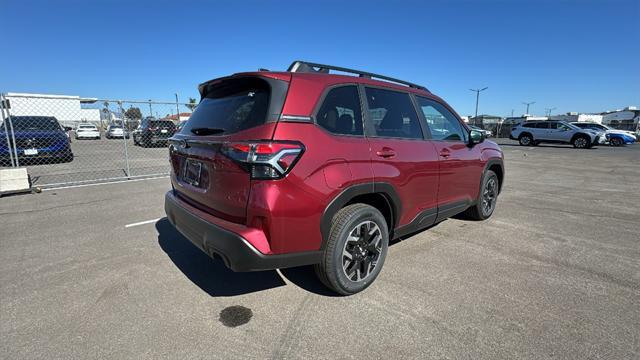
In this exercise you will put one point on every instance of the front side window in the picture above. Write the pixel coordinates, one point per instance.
(340, 111)
(442, 123)
(392, 114)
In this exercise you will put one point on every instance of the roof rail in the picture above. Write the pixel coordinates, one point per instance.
(309, 67)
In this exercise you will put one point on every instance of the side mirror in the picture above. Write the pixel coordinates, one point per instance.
(475, 137)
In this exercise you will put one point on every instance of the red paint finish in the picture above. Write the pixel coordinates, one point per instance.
(284, 215)
(412, 168)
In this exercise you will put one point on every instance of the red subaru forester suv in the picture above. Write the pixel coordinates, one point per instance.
(282, 169)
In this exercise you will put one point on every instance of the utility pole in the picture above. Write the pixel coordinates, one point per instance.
(150, 109)
(177, 110)
(511, 112)
(477, 91)
(528, 103)
(549, 110)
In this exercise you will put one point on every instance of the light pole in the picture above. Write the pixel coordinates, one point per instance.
(549, 110)
(528, 103)
(477, 91)
(150, 110)
(177, 110)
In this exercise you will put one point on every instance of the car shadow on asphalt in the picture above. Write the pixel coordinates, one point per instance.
(212, 276)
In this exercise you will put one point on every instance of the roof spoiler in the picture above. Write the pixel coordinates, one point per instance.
(309, 67)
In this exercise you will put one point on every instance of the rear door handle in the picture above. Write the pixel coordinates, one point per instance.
(386, 152)
(445, 153)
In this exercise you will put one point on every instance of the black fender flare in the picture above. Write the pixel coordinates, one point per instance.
(346, 195)
(491, 162)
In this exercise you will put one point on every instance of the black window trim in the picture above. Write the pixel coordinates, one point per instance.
(320, 102)
(464, 126)
(369, 130)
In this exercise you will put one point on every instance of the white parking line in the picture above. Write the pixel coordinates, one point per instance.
(142, 223)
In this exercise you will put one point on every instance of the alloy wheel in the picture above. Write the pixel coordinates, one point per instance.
(361, 251)
(489, 195)
(581, 142)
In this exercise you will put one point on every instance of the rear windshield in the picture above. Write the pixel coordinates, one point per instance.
(33, 123)
(162, 124)
(231, 106)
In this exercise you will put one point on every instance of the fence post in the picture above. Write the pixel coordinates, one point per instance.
(6, 122)
(124, 138)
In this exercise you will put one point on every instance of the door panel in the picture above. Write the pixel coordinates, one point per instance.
(459, 168)
(399, 154)
(412, 170)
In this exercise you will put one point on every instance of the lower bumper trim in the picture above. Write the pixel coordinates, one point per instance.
(236, 252)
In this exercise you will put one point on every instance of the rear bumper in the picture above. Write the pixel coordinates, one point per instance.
(216, 241)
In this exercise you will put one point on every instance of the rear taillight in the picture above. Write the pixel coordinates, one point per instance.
(265, 159)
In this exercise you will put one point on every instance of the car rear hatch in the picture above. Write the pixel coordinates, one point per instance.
(233, 111)
(162, 129)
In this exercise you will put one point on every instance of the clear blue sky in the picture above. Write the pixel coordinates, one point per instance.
(572, 55)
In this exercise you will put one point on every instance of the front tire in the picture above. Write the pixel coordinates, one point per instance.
(581, 142)
(487, 199)
(355, 250)
(616, 142)
(525, 140)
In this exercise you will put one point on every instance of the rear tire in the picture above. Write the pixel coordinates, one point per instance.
(355, 250)
(525, 140)
(487, 199)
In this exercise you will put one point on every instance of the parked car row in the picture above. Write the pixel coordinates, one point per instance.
(581, 135)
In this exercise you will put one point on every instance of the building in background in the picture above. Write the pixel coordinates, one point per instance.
(625, 119)
(184, 116)
(574, 116)
(67, 109)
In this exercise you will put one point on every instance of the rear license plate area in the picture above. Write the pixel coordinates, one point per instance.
(192, 172)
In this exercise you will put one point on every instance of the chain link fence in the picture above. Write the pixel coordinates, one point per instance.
(68, 140)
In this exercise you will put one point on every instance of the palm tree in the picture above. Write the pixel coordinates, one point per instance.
(192, 104)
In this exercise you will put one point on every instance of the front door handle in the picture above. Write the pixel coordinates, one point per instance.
(445, 153)
(386, 152)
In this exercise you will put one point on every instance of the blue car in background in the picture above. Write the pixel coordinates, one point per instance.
(612, 136)
(38, 140)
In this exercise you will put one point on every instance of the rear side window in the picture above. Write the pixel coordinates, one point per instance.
(340, 111)
(542, 125)
(232, 105)
(392, 114)
(529, 125)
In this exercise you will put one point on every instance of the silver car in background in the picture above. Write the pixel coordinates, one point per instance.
(532, 133)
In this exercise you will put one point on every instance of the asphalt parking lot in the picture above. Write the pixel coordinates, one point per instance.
(100, 159)
(555, 273)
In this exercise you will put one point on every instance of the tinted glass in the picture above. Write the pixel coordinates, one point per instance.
(162, 124)
(529, 125)
(441, 122)
(232, 106)
(340, 112)
(25, 123)
(542, 125)
(583, 126)
(393, 114)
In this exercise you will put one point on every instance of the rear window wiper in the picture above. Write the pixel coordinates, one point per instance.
(206, 131)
